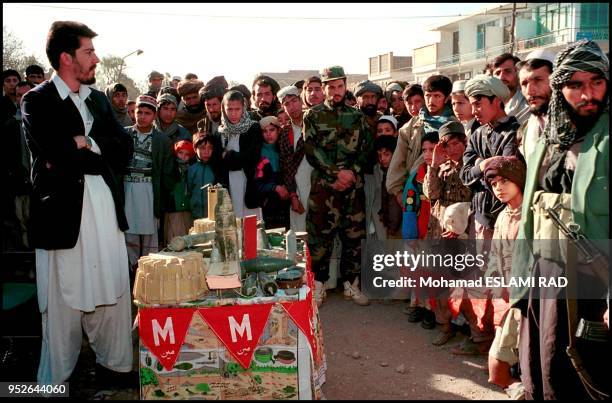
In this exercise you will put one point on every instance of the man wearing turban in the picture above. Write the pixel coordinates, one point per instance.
(568, 172)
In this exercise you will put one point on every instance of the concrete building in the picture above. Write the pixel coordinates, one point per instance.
(386, 68)
(467, 44)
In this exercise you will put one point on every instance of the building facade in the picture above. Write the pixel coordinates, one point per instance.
(467, 44)
(386, 68)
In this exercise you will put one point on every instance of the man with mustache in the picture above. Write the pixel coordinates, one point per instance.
(338, 141)
(504, 68)
(192, 109)
(212, 95)
(77, 219)
(533, 78)
(368, 94)
(266, 101)
(570, 166)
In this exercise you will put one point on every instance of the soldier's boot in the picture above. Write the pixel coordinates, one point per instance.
(352, 291)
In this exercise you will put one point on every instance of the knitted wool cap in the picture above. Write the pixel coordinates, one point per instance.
(510, 168)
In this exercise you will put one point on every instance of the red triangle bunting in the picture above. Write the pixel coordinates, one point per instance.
(239, 327)
(163, 331)
(301, 313)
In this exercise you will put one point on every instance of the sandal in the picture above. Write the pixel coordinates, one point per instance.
(469, 347)
(442, 338)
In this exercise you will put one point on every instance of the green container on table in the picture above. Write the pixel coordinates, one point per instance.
(276, 239)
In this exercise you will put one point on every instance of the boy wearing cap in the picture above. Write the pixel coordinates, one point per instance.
(506, 178)
(386, 126)
(117, 94)
(295, 168)
(166, 123)
(462, 107)
(148, 183)
(495, 137)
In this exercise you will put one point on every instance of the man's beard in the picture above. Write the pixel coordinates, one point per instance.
(195, 108)
(539, 110)
(216, 117)
(339, 103)
(584, 123)
(369, 110)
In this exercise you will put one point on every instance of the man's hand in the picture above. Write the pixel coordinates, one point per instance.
(296, 204)
(282, 192)
(346, 177)
(340, 187)
(81, 142)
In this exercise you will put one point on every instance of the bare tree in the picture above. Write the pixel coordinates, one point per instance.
(110, 70)
(13, 56)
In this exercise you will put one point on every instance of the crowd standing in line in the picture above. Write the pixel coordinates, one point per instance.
(477, 158)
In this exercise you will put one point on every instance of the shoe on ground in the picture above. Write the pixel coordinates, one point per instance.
(415, 313)
(352, 291)
(319, 293)
(442, 338)
(469, 347)
(429, 320)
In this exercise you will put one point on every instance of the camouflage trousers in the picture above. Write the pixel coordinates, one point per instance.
(329, 213)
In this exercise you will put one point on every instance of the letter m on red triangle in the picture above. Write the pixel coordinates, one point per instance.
(239, 328)
(163, 331)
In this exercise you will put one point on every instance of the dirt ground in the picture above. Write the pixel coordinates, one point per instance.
(383, 339)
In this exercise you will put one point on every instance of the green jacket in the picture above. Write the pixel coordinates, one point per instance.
(336, 138)
(590, 198)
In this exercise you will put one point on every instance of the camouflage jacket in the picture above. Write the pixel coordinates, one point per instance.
(335, 139)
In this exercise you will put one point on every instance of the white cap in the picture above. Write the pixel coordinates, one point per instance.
(459, 86)
(288, 90)
(544, 54)
(176, 78)
(389, 119)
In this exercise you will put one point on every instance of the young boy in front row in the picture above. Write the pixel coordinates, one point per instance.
(506, 177)
(204, 171)
(148, 183)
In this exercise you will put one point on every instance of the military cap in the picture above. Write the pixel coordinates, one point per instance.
(449, 128)
(288, 90)
(155, 74)
(367, 85)
(332, 73)
(266, 80)
(189, 86)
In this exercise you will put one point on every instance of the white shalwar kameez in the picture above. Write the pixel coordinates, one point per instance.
(86, 287)
(238, 183)
(302, 181)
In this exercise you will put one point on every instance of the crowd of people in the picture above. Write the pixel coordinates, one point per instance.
(471, 159)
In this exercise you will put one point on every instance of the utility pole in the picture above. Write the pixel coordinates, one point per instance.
(512, 28)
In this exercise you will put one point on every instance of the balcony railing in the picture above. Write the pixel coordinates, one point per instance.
(560, 37)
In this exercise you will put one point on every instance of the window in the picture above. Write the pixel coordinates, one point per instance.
(594, 15)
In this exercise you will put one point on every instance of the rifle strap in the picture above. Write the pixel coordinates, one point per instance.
(572, 315)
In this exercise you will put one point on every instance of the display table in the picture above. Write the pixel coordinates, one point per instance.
(232, 348)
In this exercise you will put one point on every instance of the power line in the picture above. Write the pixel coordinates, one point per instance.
(236, 17)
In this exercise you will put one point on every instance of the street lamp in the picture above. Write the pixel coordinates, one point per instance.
(137, 51)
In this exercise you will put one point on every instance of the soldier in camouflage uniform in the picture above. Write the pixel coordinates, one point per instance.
(337, 143)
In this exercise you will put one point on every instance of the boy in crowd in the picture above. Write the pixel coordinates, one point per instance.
(386, 126)
(177, 219)
(148, 183)
(462, 107)
(204, 171)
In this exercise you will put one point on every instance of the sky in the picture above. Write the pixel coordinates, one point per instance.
(240, 40)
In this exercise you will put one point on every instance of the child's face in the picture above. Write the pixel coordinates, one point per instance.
(204, 151)
(144, 116)
(461, 107)
(270, 134)
(455, 149)
(183, 155)
(283, 119)
(504, 189)
(427, 149)
(384, 157)
(414, 104)
(385, 129)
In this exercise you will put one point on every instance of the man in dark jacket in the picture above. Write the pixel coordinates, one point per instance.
(77, 218)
